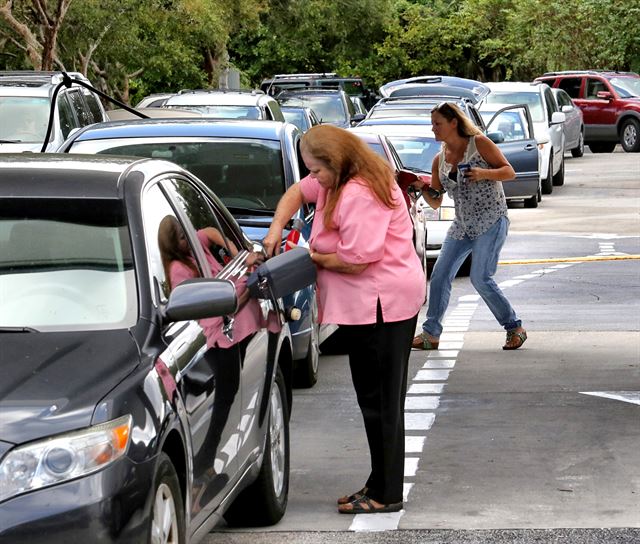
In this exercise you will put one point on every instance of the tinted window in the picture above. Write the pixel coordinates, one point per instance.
(563, 99)
(94, 106)
(66, 265)
(82, 111)
(593, 87)
(550, 103)
(67, 119)
(243, 173)
(223, 112)
(571, 85)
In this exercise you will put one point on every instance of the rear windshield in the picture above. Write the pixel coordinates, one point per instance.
(532, 99)
(223, 112)
(65, 264)
(243, 173)
(329, 109)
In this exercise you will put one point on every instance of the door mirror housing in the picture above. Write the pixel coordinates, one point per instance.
(497, 136)
(567, 109)
(604, 95)
(199, 298)
(357, 118)
(557, 118)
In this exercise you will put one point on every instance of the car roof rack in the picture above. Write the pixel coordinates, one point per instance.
(595, 72)
(34, 78)
(300, 76)
(252, 92)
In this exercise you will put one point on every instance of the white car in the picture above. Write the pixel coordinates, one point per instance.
(547, 123)
(573, 125)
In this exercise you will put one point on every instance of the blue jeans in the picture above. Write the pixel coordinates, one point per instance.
(485, 250)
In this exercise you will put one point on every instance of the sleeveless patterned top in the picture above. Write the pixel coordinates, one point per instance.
(479, 204)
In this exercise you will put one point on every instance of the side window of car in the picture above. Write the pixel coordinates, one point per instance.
(550, 103)
(594, 86)
(65, 112)
(164, 236)
(93, 103)
(571, 85)
(217, 238)
(82, 112)
(510, 124)
(563, 99)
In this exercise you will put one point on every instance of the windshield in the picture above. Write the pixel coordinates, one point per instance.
(415, 153)
(24, 118)
(626, 87)
(532, 99)
(244, 173)
(383, 112)
(65, 265)
(297, 117)
(222, 112)
(329, 109)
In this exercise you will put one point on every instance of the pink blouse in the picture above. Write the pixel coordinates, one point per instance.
(247, 321)
(366, 232)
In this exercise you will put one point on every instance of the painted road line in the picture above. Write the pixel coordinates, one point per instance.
(590, 258)
(509, 283)
(414, 444)
(418, 421)
(632, 397)
(425, 388)
(450, 345)
(421, 402)
(439, 363)
(368, 523)
(410, 466)
(432, 376)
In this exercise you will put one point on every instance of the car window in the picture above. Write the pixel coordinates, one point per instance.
(243, 173)
(66, 265)
(297, 117)
(563, 98)
(571, 85)
(510, 124)
(66, 118)
(222, 112)
(532, 98)
(329, 109)
(94, 105)
(162, 231)
(24, 118)
(626, 87)
(415, 152)
(82, 110)
(550, 103)
(593, 87)
(386, 112)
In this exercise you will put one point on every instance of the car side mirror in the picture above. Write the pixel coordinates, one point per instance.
(497, 137)
(604, 95)
(199, 298)
(567, 109)
(283, 274)
(557, 118)
(357, 118)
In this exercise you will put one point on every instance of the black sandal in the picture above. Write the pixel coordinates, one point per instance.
(363, 505)
(515, 339)
(353, 497)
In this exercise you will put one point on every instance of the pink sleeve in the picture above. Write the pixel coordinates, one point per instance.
(363, 223)
(310, 189)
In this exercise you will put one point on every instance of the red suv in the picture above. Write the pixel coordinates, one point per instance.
(610, 102)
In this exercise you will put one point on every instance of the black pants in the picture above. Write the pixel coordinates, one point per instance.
(379, 359)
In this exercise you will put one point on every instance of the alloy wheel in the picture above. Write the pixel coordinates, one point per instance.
(164, 525)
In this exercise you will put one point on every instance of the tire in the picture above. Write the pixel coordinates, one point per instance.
(547, 183)
(630, 135)
(578, 151)
(558, 179)
(531, 202)
(264, 502)
(602, 147)
(306, 370)
(167, 511)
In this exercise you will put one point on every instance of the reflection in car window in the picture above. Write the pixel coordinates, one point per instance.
(329, 109)
(626, 87)
(377, 113)
(243, 173)
(66, 264)
(509, 124)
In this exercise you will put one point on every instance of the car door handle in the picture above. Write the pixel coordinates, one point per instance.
(529, 147)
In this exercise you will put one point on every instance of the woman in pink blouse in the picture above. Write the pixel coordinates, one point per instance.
(370, 282)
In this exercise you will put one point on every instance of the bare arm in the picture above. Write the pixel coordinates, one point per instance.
(331, 261)
(500, 169)
(289, 203)
(215, 237)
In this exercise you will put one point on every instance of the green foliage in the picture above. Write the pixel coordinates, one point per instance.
(134, 48)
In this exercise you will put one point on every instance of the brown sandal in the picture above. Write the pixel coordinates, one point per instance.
(515, 339)
(364, 505)
(422, 342)
(353, 497)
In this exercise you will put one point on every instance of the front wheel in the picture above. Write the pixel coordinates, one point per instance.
(630, 135)
(167, 513)
(265, 500)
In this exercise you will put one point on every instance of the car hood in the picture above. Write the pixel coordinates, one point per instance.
(51, 382)
(20, 148)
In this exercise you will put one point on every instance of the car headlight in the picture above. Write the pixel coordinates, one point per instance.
(64, 457)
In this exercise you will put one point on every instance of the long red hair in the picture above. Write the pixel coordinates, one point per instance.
(349, 157)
